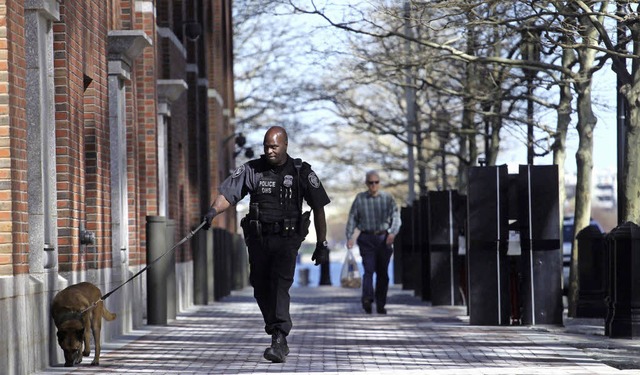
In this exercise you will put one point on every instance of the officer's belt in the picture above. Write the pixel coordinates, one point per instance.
(271, 228)
(277, 227)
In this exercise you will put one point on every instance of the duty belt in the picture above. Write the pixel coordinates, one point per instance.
(271, 228)
(286, 227)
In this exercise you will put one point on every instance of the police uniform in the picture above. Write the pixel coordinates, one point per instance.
(276, 232)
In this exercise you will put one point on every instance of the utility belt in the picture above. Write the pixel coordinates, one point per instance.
(286, 227)
(254, 228)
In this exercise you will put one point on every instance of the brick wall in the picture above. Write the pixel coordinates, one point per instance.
(13, 157)
(96, 136)
(146, 117)
(82, 133)
(220, 111)
(82, 140)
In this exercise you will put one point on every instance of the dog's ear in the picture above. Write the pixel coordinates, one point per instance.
(79, 334)
(60, 335)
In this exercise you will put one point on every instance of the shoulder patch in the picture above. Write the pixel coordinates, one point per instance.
(238, 171)
(313, 180)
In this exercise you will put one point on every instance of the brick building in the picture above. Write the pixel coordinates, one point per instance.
(112, 112)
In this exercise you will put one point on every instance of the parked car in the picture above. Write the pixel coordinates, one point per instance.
(567, 239)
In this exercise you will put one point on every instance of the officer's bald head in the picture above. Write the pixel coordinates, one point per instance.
(277, 132)
(275, 145)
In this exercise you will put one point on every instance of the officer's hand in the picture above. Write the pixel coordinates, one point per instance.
(321, 253)
(209, 217)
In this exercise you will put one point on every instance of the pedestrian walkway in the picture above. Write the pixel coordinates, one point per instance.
(332, 335)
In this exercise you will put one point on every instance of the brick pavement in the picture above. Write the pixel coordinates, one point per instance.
(332, 335)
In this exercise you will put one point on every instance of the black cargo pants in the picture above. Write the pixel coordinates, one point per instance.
(272, 264)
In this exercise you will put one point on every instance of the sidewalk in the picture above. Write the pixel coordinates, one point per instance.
(332, 335)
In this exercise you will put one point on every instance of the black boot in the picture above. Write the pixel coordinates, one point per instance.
(366, 305)
(279, 349)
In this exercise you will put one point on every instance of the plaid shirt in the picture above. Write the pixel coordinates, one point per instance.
(369, 213)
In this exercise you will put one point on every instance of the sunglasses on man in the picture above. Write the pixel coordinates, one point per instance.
(373, 182)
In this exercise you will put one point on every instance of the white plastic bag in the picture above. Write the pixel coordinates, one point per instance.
(350, 275)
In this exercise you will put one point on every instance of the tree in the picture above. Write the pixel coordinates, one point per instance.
(570, 38)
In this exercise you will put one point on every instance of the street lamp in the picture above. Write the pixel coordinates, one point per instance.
(240, 142)
(530, 51)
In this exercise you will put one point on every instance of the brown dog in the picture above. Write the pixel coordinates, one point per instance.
(74, 313)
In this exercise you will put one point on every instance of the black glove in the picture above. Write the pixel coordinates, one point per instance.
(208, 218)
(321, 253)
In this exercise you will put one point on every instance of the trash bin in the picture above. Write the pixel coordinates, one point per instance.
(593, 273)
(625, 295)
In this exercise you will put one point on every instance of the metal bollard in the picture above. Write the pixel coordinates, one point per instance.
(625, 298)
(156, 275)
(593, 274)
(303, 274)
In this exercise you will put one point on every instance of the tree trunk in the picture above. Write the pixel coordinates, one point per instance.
(494, 142)
(559, 146)
(631, 166)
(584, 161)
(632, 157)
(560, 141)
(584, 156)
(465, 157)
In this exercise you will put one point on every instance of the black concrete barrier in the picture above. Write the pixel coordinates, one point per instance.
(593, 273)
(443, 248)
(487, 240)
(421, 228)
(409, 252)
(624, 316)
(539, 216)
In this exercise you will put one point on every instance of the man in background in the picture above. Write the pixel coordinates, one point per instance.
(375, 213)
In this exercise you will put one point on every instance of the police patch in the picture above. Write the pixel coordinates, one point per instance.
(288, 181)
(238, 171)
(313, 180)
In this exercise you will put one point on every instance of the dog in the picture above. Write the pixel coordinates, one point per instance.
(76, 310)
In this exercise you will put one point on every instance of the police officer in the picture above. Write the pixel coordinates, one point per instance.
(275, 227)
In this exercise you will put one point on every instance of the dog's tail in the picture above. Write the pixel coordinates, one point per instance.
(108, 315)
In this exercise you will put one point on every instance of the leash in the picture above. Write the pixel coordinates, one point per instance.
(104, 297)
